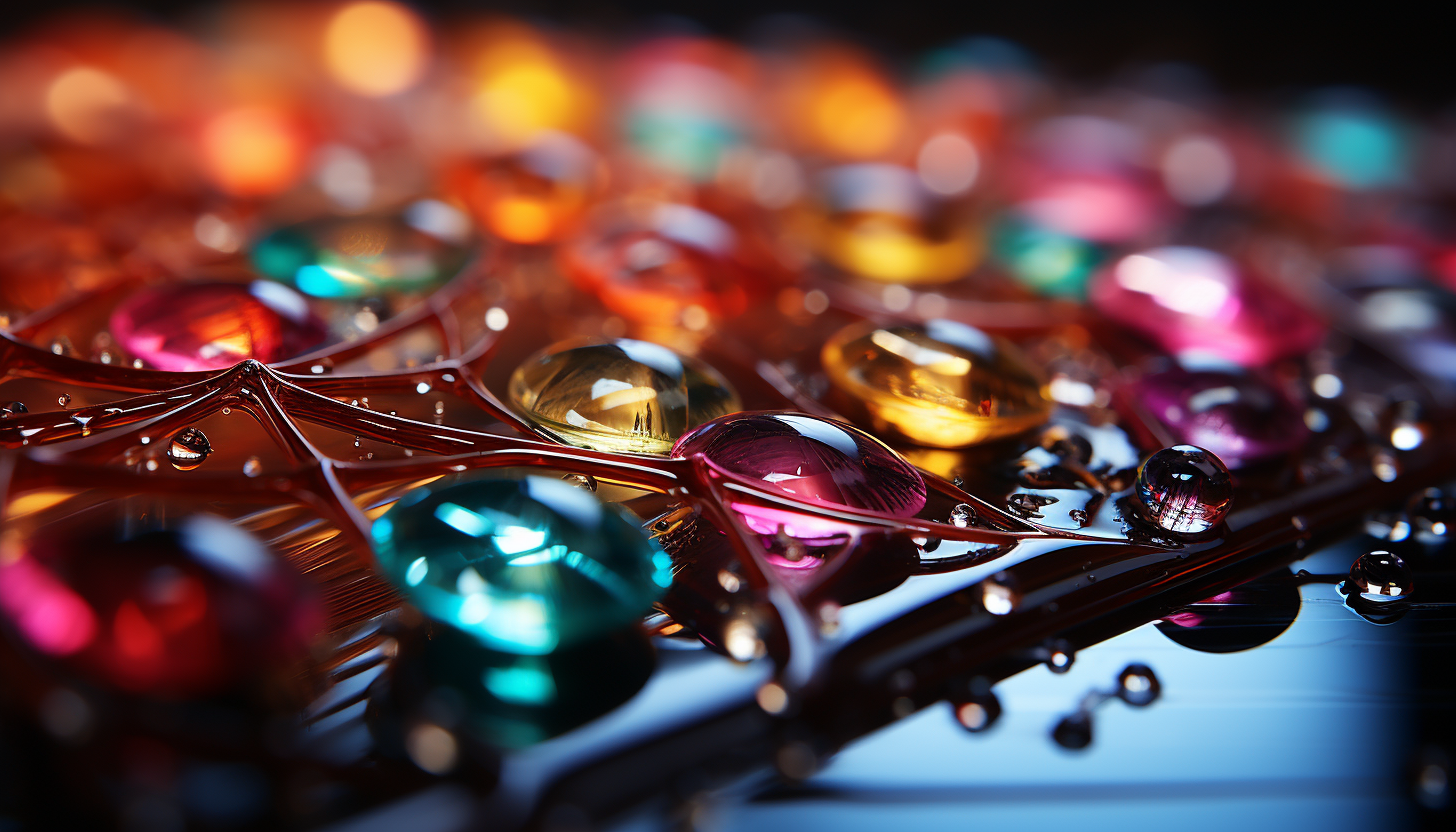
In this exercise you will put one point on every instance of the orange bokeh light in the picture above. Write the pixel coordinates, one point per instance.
(252, 151)
(376, 48)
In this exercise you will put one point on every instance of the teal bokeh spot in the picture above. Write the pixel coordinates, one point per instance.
(526, 565)
(355, 257)
(683, 143)
(1353, 146)
(1043, 260)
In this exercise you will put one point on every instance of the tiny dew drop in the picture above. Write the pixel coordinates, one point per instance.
(188, 449)
(1380, 577)
(64, 400)
(227, 411)
(252, 466)
(962, 515)
(9, 409)
(1074, 732)
(977, 713)
(1138, 686)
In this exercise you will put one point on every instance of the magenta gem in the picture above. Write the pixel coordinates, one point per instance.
(212, 326)
(1194, 301)
(816, 460)
(1239, 416)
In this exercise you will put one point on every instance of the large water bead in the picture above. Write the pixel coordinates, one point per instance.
(1184, 490)
(622, 396)
(1192, 301)
(817, 460)
(1381, 577)
(525, 564)
(356, 257)
(188, 611)
(1237, 415)
(212, 326)
(940, 383)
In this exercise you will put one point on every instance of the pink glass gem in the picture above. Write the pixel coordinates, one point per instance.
(212, 326)
(179, 613)
(814, 459)
(1191, 301)
(1239, 416)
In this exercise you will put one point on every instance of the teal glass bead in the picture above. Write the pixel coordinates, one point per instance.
(357, 257)
(1043, 260)
(527, 564)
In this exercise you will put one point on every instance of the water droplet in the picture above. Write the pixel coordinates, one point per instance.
(586, 481)
(1381, 577)
(1074, 732)
(1078, 516)
(1028, 506)
(772, 698)
(1060, 656)
(188, 449)
(962, 515)
(1184, 489)
(64, 400)
(741, 640)
(1383, 464)
(1433, 514)
(252, 466)
(997, 595)
(61, 346)
(9, 409)
(977, 713)
(357, 440)
(1138, 686)
(227, 411)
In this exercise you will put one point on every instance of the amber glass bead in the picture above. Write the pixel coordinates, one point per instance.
(940, 383)
(622, 396)
(656, 265)
(534, 196)
(879, 222)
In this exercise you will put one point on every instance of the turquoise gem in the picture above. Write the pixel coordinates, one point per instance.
(1043, 260)
(1353, 143)
(355, 257)
(510, 700)
(526, 565)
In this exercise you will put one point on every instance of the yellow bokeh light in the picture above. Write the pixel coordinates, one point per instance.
(376, 48)
(251, 151)
(524, 91)
(86, 105)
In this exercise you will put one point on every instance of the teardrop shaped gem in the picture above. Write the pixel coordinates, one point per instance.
(355, 257)
(940, 383)
(525, 564)
(1237, 415)
(622, 396)
(817, 460)
(1191, 301)
(212, 326)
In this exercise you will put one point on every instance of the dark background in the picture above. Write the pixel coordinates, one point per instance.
(1405, 50)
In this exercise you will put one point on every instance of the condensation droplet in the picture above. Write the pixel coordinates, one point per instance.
(1381, 577)
(9, 409)
(64, 400)
(997, 596)
(188, 449)
(1138, 686)
(962, 515)
(252, 466)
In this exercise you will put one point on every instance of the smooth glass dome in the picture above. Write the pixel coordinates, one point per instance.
(940, 383)
(526, 564)
(622, 396)
(355, 257)
(812, 458)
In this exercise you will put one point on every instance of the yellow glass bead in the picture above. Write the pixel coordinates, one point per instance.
(622, 396)
(941, 383)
